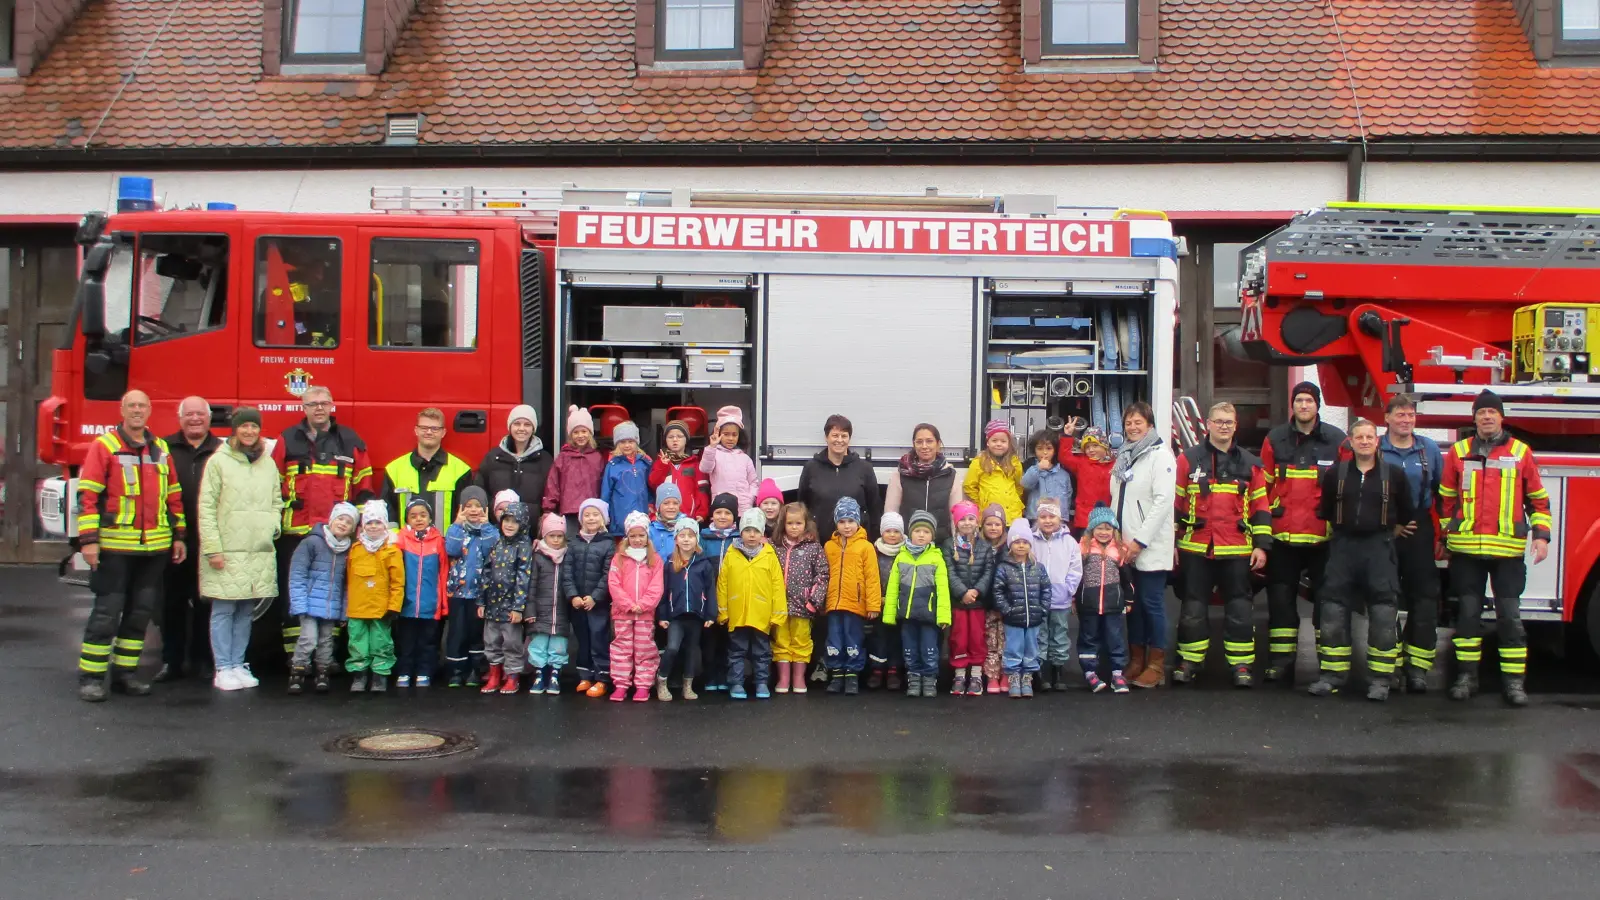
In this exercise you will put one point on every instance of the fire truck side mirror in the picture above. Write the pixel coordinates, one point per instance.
(91, 302)
(90, 227)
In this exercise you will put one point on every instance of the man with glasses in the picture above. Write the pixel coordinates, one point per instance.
(321, 463)
(1224, 529)
(429, 472)
(1420, 458)
(185, 618)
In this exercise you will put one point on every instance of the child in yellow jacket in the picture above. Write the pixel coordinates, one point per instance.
(752, 599)
(996, 475)
(376, 582)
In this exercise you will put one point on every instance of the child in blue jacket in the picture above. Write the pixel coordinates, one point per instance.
(718, 537)
(669, 504)
(1047, 477)
(468, 543)
(625, 484)
(317, 594)
(688, 606)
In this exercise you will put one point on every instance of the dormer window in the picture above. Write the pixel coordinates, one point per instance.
(1091, 27)
(1578, 27)
(323, 30)
(698, 29)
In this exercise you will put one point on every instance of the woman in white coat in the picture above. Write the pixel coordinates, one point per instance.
(1143, 480)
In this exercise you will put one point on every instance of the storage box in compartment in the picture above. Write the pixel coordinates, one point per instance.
(673, 324)
(594, 368)
(650, 370)
(713, 366)
(1041, 328)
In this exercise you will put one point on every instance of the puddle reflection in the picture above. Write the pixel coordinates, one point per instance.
(259, 797)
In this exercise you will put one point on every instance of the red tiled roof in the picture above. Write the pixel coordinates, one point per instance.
(836, 71)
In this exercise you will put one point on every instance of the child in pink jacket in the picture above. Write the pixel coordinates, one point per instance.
(730, 468)
(636, 586)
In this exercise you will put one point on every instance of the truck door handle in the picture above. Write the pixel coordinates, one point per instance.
(471, 421)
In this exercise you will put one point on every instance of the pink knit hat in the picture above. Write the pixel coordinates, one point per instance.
(730, 415)
(769, 491)
(552, 522)
(963, 509)
(996, 426)
(578, 417)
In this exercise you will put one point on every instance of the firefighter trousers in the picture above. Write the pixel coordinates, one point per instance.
(127, 587)
(1419, 596)
(1361, 570)
(1507, 577)
(289, 625)
(1230, 577)
(1285, 564)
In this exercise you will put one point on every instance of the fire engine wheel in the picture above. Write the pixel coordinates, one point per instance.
(1591, 622)
(263, 606)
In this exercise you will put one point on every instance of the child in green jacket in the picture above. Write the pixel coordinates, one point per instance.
(918, 599)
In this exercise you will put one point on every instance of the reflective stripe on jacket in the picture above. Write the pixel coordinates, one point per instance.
(318, 472)
(128, 495)
(1491, 499)
(1221, 502)
(1293, 462)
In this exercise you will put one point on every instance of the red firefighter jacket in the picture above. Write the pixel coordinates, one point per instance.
(1491, 499)
(1294, 463)
(1221, 502)
(320, 472)
(128, 495)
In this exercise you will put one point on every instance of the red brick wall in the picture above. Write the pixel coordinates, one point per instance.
(39, 23)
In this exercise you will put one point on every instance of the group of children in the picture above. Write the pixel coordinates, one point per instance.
(736, 596)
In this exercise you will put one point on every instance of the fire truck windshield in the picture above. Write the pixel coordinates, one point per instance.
(181, 285)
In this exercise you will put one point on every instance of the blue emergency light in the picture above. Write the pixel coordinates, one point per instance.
(135, 194)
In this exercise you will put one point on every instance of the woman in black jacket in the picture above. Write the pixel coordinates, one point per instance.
(519, 462)
(835, 472)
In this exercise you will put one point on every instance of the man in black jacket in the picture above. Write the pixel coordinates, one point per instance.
(185, 618)
(1365, 500)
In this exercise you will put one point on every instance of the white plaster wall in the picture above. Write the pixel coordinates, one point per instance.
(1485, 184)
(1221, 186)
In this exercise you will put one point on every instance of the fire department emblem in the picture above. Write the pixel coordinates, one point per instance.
(297, 382)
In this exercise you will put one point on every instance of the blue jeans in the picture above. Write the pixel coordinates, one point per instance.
(846, 632)
(1022, 649)
(919, 643)
(230, 631)
(749, 650)
(1102, 635)
(1147, 624)
(592, 628)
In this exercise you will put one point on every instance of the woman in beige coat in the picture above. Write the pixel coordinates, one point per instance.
(240, 511)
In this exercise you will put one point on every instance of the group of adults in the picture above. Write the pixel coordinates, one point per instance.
(211, 523)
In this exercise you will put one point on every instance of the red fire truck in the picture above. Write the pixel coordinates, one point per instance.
(1440, 302)
(635, 304)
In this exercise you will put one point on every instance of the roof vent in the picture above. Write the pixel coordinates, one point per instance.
(401, 129)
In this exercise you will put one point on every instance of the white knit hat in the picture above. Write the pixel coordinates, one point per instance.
(524, 411)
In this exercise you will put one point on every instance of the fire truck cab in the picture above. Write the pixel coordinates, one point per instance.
(650, 305)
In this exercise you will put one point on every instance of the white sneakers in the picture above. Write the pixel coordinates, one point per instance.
(234, 679)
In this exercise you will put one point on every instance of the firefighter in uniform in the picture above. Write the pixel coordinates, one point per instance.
(1294, 456)
(1491, 502)
(1366, 500)
(1224, 529)
(1420, 458)
(130, 524)
(430, 472)
(321, 464)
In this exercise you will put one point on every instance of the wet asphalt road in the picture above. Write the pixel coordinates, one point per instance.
(1189, 793)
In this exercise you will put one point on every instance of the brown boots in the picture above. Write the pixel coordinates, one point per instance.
(1154, 673)
(1136, 662)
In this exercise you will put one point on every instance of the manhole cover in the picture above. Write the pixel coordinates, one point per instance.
(402, 743)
